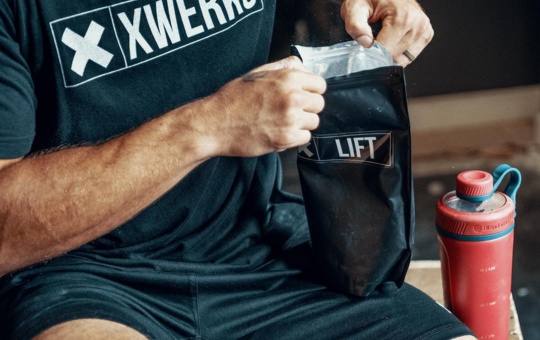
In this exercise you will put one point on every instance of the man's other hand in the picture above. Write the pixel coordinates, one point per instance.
(272, 108)
(406, 29)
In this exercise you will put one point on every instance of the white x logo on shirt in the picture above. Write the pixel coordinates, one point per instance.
(86, 48)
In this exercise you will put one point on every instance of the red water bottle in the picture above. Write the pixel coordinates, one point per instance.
(475, 226)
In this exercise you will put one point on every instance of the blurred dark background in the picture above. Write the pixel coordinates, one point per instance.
(478, 45)
(484, 58)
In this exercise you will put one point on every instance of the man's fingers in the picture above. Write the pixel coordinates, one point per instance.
(400, 22)
(304, 136)
(405, 26)
(291, 63)
(313, 103)
(407, 30)
(413, 50)
(306, 79)
(356, 15)
(308, 121)
(313, 83)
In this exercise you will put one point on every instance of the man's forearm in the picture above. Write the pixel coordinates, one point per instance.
(55, 202)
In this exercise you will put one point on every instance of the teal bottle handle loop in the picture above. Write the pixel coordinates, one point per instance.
(513, 184)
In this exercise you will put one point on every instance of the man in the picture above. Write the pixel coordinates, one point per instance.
(139, 180)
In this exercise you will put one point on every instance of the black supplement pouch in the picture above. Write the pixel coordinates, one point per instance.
(356, 181)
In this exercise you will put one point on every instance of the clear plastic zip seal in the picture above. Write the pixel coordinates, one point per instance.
(343, 58)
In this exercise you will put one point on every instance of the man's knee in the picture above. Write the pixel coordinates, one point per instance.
(83, 329)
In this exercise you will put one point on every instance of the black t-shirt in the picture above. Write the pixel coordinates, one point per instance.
(75, 72)
(84, 71)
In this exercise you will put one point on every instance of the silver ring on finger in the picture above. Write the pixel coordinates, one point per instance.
(409, 55)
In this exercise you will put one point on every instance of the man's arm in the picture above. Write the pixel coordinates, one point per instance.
(57, 201)
(405, 26)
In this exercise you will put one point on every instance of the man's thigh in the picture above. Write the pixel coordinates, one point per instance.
(267, 306)
(158, 308)
(86, 329)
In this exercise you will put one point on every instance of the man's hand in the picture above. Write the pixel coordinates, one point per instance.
(272, 108)
(405, 27)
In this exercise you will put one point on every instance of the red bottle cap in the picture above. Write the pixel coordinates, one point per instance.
(474, 183)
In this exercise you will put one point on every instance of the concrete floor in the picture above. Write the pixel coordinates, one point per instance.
(436, 177)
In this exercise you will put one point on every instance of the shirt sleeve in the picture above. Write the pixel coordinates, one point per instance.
(17, 98)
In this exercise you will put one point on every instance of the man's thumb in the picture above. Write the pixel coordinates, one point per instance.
(356, 15)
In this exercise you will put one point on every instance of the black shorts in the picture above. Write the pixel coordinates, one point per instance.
(278, 300)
